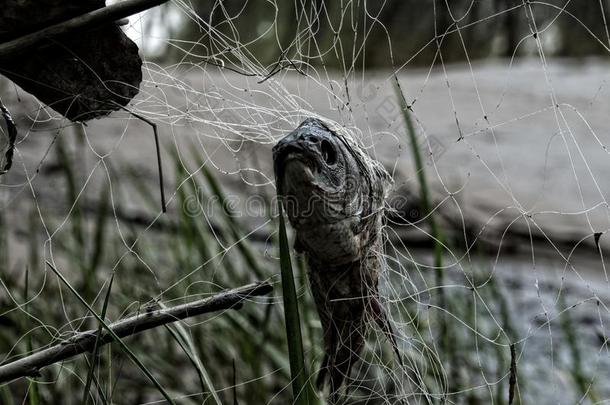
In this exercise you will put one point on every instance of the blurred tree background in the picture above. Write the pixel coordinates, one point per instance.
(384, 34)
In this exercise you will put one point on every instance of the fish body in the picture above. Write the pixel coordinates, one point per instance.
(333, 194)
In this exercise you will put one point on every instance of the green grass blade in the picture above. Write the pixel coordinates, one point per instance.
(421, 178)
(583, 383)
(182, 338)
(69, 171)
(100, 232)
(117, 339)
(33, 394)
(95, 353)
(447, 343)
(234, 389)
(243, 246)
(231, 223)
(6, 397)
(301, 387)
(270, 350)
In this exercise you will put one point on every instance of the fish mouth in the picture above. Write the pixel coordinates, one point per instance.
(295, 166)
(295, 171)
(296, 157)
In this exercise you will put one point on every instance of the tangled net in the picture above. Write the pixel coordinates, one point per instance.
(494, 238)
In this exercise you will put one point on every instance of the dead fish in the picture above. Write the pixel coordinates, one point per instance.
(333, 194)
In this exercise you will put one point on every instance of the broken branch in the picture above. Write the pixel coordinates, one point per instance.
(85, 341)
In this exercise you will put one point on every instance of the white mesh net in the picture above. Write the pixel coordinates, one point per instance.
(495, 279)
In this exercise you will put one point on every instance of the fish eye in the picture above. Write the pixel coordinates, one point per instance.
(328, 153)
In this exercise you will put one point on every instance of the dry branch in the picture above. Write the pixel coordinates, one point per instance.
(91, 19)
(84, 341)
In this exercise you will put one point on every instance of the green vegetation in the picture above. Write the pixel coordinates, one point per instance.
(388, 34)
(107, 263)
(302, 389)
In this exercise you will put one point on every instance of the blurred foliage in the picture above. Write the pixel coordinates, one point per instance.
(360, 35)
(193, 255)
(121, 266)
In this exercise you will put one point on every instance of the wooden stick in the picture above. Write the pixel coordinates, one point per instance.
(91, 19)
(84, 341)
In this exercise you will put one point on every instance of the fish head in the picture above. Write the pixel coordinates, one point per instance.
(317, 176)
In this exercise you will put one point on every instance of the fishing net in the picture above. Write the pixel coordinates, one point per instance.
(494, 238)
